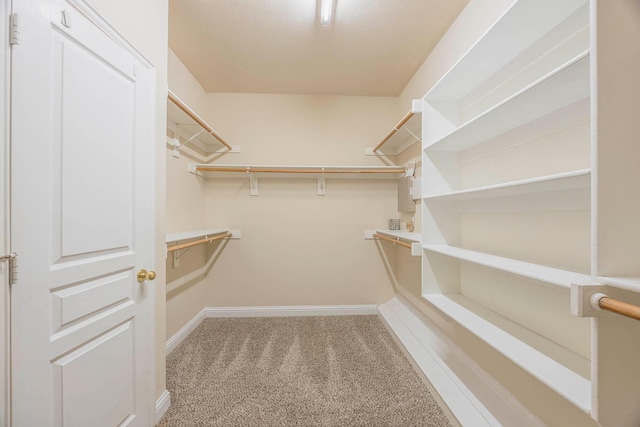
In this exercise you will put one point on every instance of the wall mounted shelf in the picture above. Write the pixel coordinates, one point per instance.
(192, 238)
(541, 273)
(187, 239)
(408, 239)
(194, 129)
(256, 172)
(407, 132)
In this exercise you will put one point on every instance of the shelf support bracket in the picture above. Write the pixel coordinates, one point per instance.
(413, 134)
(253, 183)
(322, 190)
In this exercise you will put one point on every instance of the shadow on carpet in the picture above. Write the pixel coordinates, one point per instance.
(295, 371)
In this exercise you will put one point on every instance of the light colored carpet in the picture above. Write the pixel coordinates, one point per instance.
(295, 371)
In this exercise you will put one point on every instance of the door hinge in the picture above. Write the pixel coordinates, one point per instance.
(12, 259)
(14, 29)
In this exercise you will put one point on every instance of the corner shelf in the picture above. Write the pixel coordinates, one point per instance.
(553, 374)
(408, 236)
(201, 133)
(549, 275)
(411, 240)
(407, 132)
(568, 83)
(255, 172)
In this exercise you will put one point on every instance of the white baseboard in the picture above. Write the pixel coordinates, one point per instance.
(162, 405)
(283, 311)
(293, 311)
(184, 332)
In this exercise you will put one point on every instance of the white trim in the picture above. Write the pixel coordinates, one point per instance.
(293, 311)
(87, 10)
(5, 345)
(184, 332)
(162, 405)
(282, 311)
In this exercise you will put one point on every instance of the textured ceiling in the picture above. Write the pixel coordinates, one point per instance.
(372, 47)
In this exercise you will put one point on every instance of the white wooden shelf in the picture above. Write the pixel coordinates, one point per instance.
(626, 283)
(189, 239)
(520, 27)
(194, 129)
(413, 239)
(320, 173)
(409, 236)
(555, 375)
(550, 275)
(404, 134)
(566, 181)
(569, 83)
(195, 234)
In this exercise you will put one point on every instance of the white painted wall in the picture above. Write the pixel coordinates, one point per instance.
(288, 231)
(298, 248)
(144, 24)
(617, 207)
(185, 210)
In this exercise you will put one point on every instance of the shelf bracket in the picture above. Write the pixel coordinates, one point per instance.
(322, 189)
(177, 143)
(413, 134)
(253, 183)
(410, 169)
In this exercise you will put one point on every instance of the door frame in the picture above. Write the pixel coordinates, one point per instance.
(5, 403)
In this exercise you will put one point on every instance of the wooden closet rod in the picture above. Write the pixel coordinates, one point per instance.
(197, 242)
(619, 307)
(276, 170)
(395, 241)
(189, 112)
(401, 123)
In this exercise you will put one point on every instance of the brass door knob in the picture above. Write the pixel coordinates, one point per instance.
(146, 275)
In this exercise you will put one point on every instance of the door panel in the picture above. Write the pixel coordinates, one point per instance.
(82, 187)
(94, 128)
(81, 407)
(84, 299)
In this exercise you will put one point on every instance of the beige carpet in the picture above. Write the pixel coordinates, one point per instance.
(295, 371)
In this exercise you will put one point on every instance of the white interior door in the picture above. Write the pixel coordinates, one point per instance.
(82, 204)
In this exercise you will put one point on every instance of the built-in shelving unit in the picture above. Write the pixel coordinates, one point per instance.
(404, 134)
(256, 172)
(506, 166)
(190, 128)
(557, 376)
(541, 273)
(569, 83)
